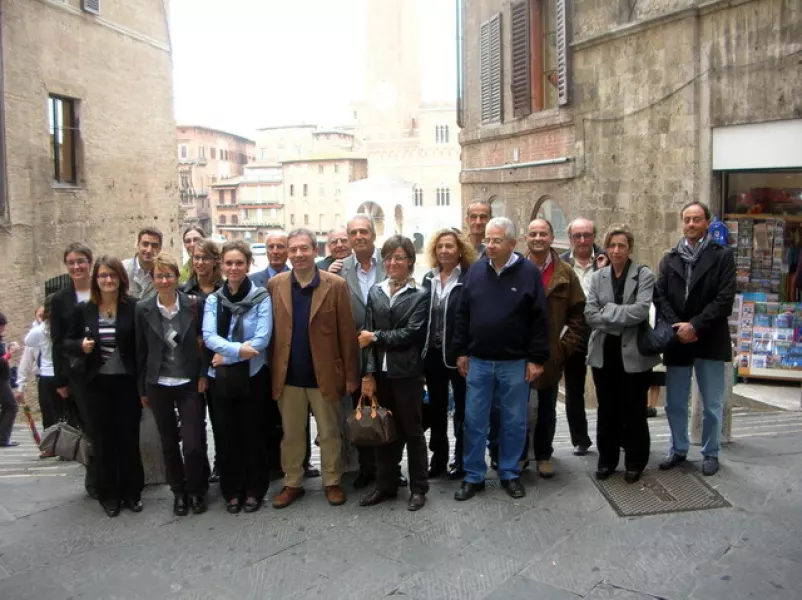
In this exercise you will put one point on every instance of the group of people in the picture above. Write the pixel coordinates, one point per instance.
(496, 328)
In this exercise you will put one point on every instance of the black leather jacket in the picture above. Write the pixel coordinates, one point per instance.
(449, 322)
(400, 331)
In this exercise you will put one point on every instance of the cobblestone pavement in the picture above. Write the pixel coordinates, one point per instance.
(563, 541)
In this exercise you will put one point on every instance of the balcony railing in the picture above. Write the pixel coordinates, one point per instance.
(200, 162)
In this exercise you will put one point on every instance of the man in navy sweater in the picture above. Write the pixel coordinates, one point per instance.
(501, 340)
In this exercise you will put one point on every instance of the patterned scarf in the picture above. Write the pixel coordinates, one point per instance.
(690, 256)
(236, 306)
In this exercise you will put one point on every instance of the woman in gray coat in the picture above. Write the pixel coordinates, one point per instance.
(618, 301)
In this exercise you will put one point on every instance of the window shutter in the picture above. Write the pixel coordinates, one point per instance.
(521, 59)
(490, 52)
(92, 6)
(563, 52)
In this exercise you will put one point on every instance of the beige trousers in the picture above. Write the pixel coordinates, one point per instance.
(294, 406)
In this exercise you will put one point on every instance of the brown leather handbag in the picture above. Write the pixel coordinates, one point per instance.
(371, 425)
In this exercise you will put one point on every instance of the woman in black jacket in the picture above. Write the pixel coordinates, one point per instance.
(103, 332)
(206, 279)
(451, 256)
(171, 378)
(69, 377)
(395, 331)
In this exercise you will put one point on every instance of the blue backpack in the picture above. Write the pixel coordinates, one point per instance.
(718, 232)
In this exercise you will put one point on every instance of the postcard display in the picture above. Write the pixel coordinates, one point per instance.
(766, 331)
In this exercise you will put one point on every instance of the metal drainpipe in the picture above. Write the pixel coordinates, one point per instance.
(524, 165)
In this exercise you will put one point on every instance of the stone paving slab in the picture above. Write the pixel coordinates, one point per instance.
(561, 542)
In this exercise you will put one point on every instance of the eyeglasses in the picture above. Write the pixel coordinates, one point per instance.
(580, 236)
(396, 259)
(203, 259)
(109, 276)
(493, 241)
(164, 276)
(335, 241)
(77, 263)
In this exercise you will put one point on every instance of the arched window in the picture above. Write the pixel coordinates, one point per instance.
(547, 208)
(234, 220)
(443, 196)
(221, 219)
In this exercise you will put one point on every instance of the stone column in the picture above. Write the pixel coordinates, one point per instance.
(150, 446)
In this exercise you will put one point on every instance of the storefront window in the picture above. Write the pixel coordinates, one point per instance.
(764, 192)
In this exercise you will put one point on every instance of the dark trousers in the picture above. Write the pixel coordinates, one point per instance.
(366, 454)
(575, 375)
(622, 420)
(546, 423)
(52, 405)
(79, 414)
(114, 412)
(190, 474)
(239, 405)
(404, 397)
(8, 412)
(435, 414)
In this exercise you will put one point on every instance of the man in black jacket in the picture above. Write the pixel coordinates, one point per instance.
(695, 291)
(501, 341)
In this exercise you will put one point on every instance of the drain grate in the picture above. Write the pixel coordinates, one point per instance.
(660, 492)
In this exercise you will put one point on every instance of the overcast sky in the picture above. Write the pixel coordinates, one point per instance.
(243, 64)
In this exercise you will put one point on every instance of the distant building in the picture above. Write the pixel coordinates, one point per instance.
(87, 139)
(405, 139)
(205, 157)
(255, 203)
(313, 190)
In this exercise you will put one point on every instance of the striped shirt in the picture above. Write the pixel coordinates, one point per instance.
(107, 329)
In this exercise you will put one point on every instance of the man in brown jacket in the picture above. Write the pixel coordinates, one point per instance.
(566, 306)
(314, 362)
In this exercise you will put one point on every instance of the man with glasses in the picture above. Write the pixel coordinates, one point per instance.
(140, 267)
(339, 248)
(501, 341)
(585, 257)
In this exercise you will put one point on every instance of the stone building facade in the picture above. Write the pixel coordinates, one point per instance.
(314, 190)
(649, 86)
(88, 133)
(205, 157)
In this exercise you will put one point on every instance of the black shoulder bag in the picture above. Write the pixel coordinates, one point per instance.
(654, 341)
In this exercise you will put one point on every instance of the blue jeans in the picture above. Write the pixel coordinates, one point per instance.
(710, 377)
(505, 381)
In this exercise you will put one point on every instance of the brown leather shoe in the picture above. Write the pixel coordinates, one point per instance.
(335, 495)
(287, 496)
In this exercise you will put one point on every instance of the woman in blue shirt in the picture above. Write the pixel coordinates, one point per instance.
(237, 325)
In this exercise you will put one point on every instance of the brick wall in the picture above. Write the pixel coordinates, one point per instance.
(121, 74)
